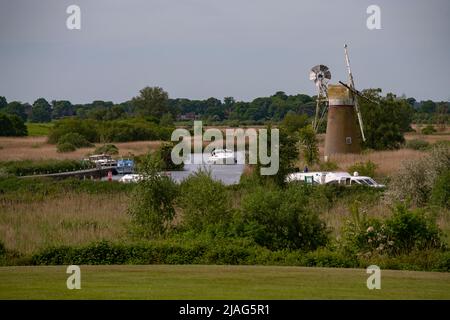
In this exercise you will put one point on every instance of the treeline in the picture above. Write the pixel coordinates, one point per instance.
(83, 132)
(154, 101)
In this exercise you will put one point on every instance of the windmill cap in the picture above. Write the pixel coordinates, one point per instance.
(338, 95)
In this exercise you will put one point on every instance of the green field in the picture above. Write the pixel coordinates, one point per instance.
(218, 282)
(38, 129)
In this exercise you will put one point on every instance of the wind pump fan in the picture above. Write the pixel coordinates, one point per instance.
(320, 74)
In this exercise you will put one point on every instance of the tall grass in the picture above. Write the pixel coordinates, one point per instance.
(73, 219)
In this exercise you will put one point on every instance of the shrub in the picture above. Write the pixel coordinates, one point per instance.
(85, 128)
(417, 144)
(65, 147)
(415, 179)
(429, 129)
(164, 153)
(308, 145)
(152, 204)
(440, 194)
(204, 201)
(12, 125)
(412, 229)
(403, 232)
(107, 149)
(30, 167)
(281, 219)
(75, 139)
(363, 168)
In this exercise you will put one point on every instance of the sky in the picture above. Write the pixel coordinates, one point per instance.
(217, 48)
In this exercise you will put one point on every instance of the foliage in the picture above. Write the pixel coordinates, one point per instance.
(41, 111)
(294, 122)
(107, 149)
(75, 139)
(17, 108)
(429, 129)
(308, 145)
(65, 147)
(363, 168)
(415, 179)
(36, 189)
(152, 204)
(152, 101)
(205, 203)
(440, 194)
(38, 129)
(132, 129)
(164, 153)
(85, 128)
(30, 167)
(417, 144)
(12, 125)
(385, 122)
(288, 155)
(281, 219)
(403, 232)
(166, 120)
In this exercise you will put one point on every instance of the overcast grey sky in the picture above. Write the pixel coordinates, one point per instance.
(203, 48)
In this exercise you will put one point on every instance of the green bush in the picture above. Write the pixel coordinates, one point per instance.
(65, 147)
(417, 144)
(164, 153)
(107, 149)
(226, 251)
(440, 194)
(86, 128)
(152, 204)
(363, 168)
(281, 219)
(12, 125)
(412, 229)
(429, 129)
(204, 202)
(403, 232)
(30, 167)
(415, 180)
(123, 130)
(75, 139)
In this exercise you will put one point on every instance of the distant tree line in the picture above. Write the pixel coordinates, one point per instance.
(386, 121)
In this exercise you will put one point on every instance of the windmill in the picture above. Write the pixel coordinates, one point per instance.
(342, 109)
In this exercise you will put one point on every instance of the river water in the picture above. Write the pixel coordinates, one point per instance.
(227, 173)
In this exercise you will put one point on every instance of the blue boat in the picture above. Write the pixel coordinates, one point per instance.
(125, 166)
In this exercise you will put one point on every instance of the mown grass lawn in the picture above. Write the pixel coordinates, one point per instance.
(218, 282)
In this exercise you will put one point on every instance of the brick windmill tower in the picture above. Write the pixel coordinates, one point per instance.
(344, 132)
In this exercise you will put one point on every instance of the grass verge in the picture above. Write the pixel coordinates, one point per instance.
(218, 282)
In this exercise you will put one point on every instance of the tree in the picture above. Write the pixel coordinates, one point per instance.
(42, 111)
(152, 206)
(427, 106)
(62, 109)
(166, 120)
(293, 122)
(17, 109)
(385, 122)
(288, 155)
(12, 125)
(308, 145)
(152, 101)
(3, 102)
